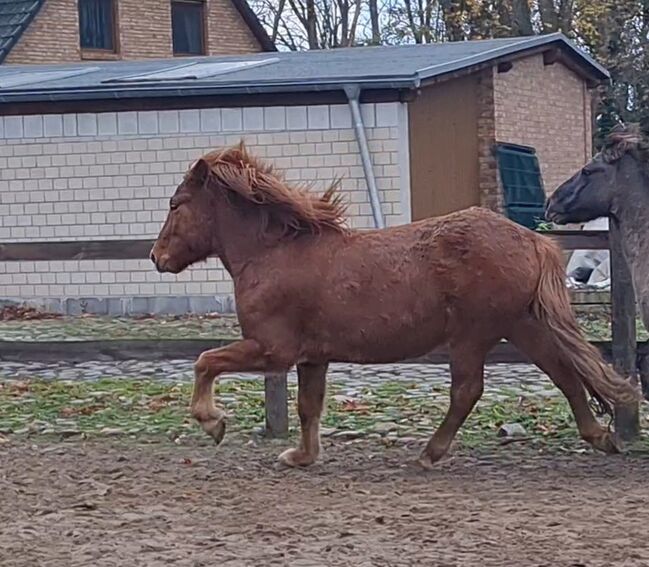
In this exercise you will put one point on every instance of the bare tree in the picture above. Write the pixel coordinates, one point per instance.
(311, 24)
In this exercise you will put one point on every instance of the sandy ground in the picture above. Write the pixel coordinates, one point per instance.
(110, 503)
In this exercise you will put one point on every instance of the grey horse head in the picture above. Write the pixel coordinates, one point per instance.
(601, 187)
(614, 184)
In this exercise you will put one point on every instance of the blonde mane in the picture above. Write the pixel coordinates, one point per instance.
(295, 209)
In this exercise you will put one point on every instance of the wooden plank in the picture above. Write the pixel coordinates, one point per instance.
(503, 353)
(276, 404)
(623, 313)
(589, 297)
(167, 349)
(83, 351)
(141, 249)
(579, 239)
(76, 250)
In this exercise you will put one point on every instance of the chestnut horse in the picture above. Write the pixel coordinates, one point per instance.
(310, 291)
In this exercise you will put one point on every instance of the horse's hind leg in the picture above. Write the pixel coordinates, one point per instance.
(310, 399)
(467, 384)
(534, 339)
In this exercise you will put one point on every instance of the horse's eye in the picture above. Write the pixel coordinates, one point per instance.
(173, 205)
(587, 172)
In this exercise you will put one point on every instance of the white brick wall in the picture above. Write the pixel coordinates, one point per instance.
(110, 175)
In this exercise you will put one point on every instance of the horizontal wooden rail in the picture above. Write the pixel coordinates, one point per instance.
(140, 249)
(166, 349)
(580, 239)
(76, 250)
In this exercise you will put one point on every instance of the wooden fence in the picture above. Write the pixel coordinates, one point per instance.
(623, 350)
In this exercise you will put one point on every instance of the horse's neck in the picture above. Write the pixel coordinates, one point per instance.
(238, 238)
(633, 222)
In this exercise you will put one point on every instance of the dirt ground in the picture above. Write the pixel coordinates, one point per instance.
(110, 503)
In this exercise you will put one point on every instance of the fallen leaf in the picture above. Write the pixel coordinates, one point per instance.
(81, 410)
(18, 387)
(353, 405)
(161, 402)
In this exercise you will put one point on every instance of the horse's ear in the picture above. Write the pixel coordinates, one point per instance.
(199, 172)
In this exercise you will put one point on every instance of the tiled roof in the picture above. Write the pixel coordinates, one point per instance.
(15, 16)
(391, 68)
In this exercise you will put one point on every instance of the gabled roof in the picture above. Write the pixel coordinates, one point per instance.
(400, 67)
(15, 16)
(254, 24)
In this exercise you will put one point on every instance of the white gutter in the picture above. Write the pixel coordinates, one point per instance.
(353, 93)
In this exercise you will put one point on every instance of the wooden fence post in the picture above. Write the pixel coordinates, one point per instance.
(623, 315)
(276, 404)
(644, 374)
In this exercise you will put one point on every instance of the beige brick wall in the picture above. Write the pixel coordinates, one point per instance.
(547, 107)
(226, 31)
(491, 195)
(144, 30)
(110, 176)
(52, 37)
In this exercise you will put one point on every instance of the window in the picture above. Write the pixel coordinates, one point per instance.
(187, 26)
(97, 24)
(522, 183)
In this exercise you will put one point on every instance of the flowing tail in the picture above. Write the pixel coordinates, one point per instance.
(551, 304)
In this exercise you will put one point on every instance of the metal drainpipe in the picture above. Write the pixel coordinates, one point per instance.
(353, 93)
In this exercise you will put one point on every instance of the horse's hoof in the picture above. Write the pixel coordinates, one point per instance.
(608, 443)
(295, 458)
(426, 463)
(215, 428)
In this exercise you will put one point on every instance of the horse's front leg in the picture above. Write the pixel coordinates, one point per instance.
(242, 356)
(310, 399)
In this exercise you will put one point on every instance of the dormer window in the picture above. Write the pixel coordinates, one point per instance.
(97, 25)
(188, 27)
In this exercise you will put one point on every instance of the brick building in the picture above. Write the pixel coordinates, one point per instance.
(93, 151)
(62, 31)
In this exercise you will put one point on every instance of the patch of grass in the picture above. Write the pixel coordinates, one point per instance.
(115, 407)
(391, 410)
(595, 323)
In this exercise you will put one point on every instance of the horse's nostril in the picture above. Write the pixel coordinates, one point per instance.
(153, 257)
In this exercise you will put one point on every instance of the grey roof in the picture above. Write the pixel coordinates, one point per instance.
(15, 16)
(401, 67)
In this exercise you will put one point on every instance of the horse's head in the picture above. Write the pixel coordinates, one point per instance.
(187, 234)
(587, 195)
(593, 191)
(229, 200)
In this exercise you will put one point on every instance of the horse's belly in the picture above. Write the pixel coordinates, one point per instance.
(383, 339)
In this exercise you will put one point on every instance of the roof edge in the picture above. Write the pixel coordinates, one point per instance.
(4, 53)
(590, 67)
(257, 29)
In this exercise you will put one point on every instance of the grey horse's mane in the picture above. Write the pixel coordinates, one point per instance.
(627, 138)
